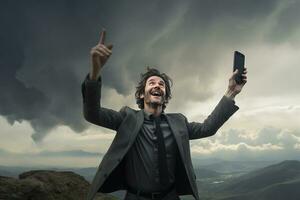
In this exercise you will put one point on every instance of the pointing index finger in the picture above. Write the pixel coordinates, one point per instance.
(102, 36)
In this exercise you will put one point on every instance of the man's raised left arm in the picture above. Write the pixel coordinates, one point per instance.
(225, 108)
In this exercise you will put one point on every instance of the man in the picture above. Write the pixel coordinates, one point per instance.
(150, 154)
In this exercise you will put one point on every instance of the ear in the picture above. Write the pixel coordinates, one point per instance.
(142, 96)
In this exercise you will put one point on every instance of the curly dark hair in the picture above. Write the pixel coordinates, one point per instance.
(140, 89)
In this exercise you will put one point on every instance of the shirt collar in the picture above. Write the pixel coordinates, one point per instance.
(149, 116)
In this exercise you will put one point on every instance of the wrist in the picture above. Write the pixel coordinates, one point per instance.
(230, 94)
(94, 75)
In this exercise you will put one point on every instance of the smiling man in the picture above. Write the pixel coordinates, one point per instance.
(153, 91)
(150, 154)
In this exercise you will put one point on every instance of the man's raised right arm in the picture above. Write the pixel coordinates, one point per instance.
(91, 90)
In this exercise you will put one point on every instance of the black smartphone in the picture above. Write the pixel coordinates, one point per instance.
(238, 63)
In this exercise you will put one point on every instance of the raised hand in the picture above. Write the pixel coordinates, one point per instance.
(99, 55)
(233, 87)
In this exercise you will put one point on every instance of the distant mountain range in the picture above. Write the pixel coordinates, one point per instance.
(224, 166)
(203, 168)
(71, 153)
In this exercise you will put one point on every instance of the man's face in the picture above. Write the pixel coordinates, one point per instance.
(155, 91)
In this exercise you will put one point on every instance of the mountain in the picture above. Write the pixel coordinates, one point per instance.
(235, 166)
(275, 182)
(200, 162)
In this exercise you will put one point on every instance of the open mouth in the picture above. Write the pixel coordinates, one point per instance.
(156, 93)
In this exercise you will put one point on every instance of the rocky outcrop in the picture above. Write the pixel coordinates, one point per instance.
(46, 185)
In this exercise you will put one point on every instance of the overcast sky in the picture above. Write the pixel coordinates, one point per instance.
(44, 58)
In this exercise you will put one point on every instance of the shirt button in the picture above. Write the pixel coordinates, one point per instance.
(155, 149)
(157, 179)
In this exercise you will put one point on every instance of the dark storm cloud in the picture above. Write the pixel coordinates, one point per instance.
(45, 50)
(17, 101)
(40, 46)
(286, 24)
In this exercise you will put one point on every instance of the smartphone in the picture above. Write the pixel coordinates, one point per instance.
(238, 63)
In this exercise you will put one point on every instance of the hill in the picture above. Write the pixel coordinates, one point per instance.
(274, 182)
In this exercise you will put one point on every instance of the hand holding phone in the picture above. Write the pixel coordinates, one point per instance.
(239, 63)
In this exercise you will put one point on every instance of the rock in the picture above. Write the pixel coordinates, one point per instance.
(46, 185)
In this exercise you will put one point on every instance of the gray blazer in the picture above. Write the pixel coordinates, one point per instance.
(127, 123)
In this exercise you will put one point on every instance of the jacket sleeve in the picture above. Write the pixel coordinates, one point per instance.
(92, 110)
(224, 109)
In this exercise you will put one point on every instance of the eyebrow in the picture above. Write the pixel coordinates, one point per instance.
(153, 80)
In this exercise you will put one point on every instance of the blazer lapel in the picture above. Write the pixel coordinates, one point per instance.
(139, 122)
(175, 130)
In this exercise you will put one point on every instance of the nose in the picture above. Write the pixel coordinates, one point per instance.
(158, 87)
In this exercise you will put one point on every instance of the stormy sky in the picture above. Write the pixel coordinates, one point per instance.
(44, 58)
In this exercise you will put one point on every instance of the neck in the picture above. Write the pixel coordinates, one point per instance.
(155, 109)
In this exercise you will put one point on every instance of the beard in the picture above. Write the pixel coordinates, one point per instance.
(154, 103)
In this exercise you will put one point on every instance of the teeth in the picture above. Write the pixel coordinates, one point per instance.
(156, 93)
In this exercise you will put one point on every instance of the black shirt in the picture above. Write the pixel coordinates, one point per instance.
(141, 162)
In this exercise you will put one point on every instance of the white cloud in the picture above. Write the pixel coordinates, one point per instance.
(268, 143)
